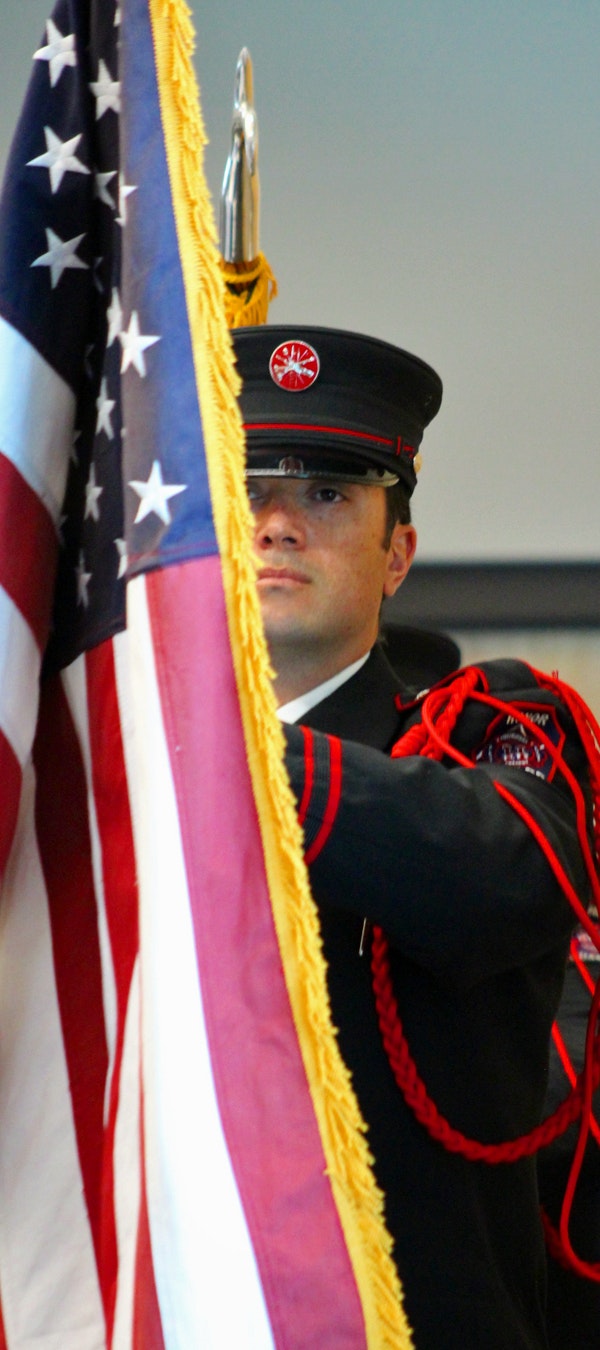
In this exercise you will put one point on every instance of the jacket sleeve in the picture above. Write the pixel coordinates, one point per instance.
(434, 855)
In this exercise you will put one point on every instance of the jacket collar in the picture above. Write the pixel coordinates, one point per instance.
(364, 708)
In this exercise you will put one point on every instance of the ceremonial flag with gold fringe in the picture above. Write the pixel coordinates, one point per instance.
(182, 1160)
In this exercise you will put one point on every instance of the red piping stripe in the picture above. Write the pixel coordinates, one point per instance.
(333, 801)
(323, 431)
(309, 772)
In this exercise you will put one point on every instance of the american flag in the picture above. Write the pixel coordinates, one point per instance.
(172, 1105)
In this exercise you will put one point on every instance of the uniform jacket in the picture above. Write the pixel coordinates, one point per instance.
(479, 933)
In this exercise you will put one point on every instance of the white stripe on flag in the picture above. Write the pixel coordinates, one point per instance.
(207, 1280)
(37, 414)
(19, 674)
(50, 1293)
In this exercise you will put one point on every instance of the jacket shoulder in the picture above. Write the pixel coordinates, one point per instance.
(506, 675)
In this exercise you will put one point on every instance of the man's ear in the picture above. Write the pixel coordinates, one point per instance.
(400, 555)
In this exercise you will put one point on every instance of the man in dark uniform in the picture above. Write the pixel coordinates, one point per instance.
(425, 849)
(573, 1302)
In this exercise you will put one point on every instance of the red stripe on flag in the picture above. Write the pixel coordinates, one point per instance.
(10, 792)
(26, 572)
(111, 798)
(263, 1094)
(65, 851)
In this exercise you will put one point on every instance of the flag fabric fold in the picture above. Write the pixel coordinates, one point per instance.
(182, 1160)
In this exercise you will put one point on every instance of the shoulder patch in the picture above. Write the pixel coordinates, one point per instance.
(511, 743)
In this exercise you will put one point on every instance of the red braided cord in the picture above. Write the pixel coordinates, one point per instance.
(584, 1268)
(559, 1043)
(450, 700)
(415, 1093)
(563, 1054)
(553, 1242)
(431, 738)
(589, 731)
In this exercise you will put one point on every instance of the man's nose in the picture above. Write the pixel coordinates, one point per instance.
(279, 525)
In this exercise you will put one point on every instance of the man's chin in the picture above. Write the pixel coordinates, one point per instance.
(280, 632)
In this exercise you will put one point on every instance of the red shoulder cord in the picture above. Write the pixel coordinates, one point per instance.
(431, 737)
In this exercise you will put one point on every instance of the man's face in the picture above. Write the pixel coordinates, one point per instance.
(324, 565)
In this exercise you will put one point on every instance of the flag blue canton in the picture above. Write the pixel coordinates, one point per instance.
(90, 276)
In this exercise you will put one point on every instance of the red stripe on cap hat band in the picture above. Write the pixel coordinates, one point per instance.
(327, 431)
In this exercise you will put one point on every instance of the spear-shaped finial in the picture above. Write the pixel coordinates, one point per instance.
(250, 282)
(240, 195)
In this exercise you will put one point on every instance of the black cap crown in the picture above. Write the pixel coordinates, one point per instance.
(324, 401)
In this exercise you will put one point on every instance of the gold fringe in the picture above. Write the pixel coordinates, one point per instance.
(250, 287)
(358, 1200)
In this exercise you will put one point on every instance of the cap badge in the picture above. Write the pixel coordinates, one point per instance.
(294, 366)
(290, 464)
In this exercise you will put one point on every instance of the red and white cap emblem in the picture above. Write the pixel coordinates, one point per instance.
(294, 366)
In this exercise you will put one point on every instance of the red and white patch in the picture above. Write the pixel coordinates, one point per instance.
(294, 366)
(515, 745)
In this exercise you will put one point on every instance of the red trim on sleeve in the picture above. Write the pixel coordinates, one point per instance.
(309, 772)
(333, 800)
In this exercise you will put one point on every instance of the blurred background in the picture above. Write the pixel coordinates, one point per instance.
(430, 175)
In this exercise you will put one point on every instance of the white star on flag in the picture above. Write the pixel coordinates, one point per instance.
(104, 406)
(114, 315)
(93, 494)
(83, 580)
(101, 181)
(154, 495)
(61, 255)
(125, 191)
(60, 51)
(134, 345)
(106, 91)
(121, 548)
(59, 158)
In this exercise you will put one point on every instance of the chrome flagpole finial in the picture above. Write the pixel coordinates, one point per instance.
(240, 194)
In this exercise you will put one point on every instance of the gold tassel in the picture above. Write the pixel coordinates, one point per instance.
(250, 289)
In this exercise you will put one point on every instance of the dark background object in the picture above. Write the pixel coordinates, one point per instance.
(499, 595)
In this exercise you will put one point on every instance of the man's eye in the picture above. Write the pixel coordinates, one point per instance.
(328, 494)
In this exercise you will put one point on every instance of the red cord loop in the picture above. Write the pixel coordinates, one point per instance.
(431, 737)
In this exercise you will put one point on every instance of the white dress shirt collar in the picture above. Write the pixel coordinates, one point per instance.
(295, 710)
